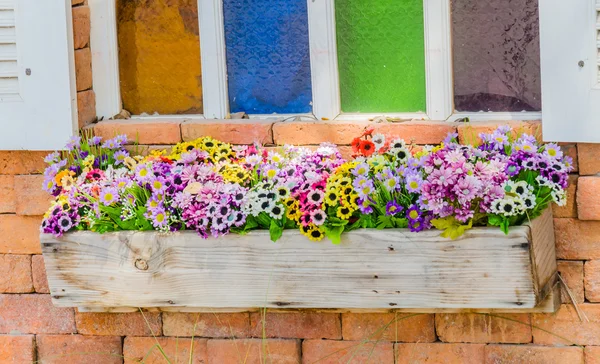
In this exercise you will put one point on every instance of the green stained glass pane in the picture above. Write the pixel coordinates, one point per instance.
(381, 55)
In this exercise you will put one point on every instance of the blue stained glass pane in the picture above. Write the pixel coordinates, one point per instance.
(268, 62)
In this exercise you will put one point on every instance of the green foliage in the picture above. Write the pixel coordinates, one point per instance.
(451, 227)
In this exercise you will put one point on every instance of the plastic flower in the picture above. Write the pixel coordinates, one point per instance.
(109, 195)
(413, 213)
(392, 208)
(318, 217)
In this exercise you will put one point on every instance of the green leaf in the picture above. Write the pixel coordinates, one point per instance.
(494, 220)
(384, 222)
(275, 230)
(334, 233)
(451, 227)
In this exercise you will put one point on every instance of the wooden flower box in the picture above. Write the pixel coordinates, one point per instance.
(372, 270)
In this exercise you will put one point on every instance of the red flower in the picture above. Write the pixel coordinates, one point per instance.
(355, 144)
(369, 131)
(366, 148)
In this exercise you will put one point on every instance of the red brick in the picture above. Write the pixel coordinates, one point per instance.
(254, 351)
(15, 274)
(8, 202)
(565, 328)
(468, 133)
(572, 274)
(141, 131)
(532, 354)
(577, 240)
(229, 131)
(416, 131)
(300, 325)
(34, 314)
(22, 162)
(592, 280)
(481, 328)
(38, 271)
(31, 199)
(592, 354)
(83, 69)
(588, 198)
(20, 234)
(16, 349)
(306, 133)
(176, 350)
(571, 151)
(589, 158)
(439, 353)
(333, 352)
(570, 209)
(225, 325)
(75, 349)
(81, 26)
(119, 324)
(86, 107)
(400, 327)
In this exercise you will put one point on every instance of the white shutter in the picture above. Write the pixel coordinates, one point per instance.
(570, 63)
(38, 100)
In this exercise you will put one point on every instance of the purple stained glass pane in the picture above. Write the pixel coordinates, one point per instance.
(496, 55)
(268, 60)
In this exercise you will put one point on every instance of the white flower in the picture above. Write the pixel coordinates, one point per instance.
(559, 197)
(378, 140)
(276, 212)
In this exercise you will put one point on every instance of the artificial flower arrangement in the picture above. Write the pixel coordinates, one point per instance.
(216, 188)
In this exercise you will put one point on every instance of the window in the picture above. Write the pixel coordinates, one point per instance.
(570, 43)
(346, 59)
(37, 82)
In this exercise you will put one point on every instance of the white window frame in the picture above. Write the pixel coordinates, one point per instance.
(323, 58)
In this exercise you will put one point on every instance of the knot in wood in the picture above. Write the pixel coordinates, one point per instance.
(141, 264)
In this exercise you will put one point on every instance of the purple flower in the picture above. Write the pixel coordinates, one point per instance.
(65, 223)
(94, 141)
(120, 157)
(364, 205)
(413, 213)
(159, 217)
(109, 195)
(392, 208)
(413, 183)
(52, 157)
(73, 143)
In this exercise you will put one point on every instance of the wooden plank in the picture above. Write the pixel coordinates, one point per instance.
(371, 269)
(550, 304)
(543, 254)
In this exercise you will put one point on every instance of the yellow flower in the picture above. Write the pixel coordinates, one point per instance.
(193, 188)
(344, 212)
(316, 234)
(332, 197)
(130, 163)
(67, 182)
(60, 175)
(89, 161)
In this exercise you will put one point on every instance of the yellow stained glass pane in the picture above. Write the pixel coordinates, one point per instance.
(159, 56)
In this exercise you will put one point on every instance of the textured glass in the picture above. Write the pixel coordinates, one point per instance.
(381, 55)
(496, 52)
(268, 62)
(159, 56)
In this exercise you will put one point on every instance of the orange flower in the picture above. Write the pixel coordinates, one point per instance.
(59, 176)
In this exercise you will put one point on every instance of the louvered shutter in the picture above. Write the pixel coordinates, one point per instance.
(37, 88)
(570, 63)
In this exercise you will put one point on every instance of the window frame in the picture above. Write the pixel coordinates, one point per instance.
(323, 58)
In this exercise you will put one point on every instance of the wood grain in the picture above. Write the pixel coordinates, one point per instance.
(371, 270)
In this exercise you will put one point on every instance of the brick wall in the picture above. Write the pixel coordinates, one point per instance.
(32, 329)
